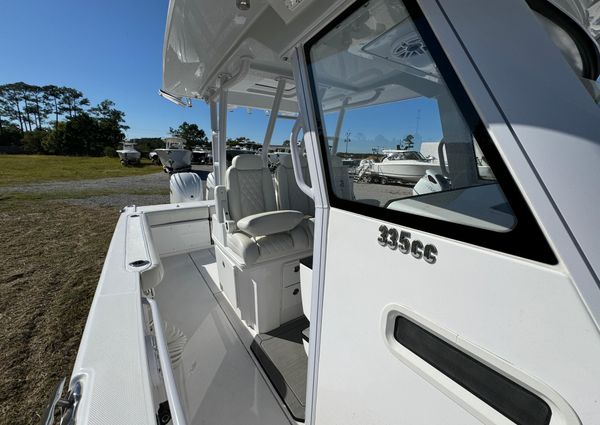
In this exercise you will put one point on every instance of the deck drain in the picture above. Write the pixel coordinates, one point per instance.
(139, 263)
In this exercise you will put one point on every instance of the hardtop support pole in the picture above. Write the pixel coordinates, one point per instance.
(222, 137)
(214, 126)
(338, 126)
(272, 118)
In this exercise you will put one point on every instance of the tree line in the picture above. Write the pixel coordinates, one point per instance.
(196, 136)
(58, 121)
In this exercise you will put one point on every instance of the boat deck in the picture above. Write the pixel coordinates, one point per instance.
(281, 353)
(219, 381)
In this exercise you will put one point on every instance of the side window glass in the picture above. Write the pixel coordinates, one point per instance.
(573, 41)
(395, 135)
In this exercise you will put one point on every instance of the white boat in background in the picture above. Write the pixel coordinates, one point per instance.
(128, 154)
(430, 150)
(174, 156)
(299, 296)
(274, 159)
(201, 155)
(404, 166)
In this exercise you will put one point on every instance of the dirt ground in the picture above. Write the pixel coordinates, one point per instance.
(53, 239)
(51, 257)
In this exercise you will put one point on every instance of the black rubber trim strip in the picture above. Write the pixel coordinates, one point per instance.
(506, 396)
(306, 334)
(586, 47)
(524, 240)
(307, 261)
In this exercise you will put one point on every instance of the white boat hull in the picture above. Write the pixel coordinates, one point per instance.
(129, 156)
(405, 171)
(175, 159)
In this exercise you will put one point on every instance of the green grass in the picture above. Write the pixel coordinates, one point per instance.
(20, 169)
(76, 194)
(52, 254)
(52, 257)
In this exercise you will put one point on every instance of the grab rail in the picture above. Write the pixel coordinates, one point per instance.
(442, 158)
(296, 160)
(175, 406)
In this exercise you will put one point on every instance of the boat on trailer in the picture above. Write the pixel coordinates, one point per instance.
(301, 297)
(200, 155)
(431, 151)
(399, 165)
(174, 156)
(129, 155)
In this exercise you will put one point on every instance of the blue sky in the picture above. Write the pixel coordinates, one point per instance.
(107, 49)
(385, 126)
(113, 49)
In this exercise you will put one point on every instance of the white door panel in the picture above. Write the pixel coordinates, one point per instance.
(519, 312)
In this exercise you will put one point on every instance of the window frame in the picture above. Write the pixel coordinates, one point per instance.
(591, 67)
(525, 239)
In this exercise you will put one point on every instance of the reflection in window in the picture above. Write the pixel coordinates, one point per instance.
(395, 135)
(574, 51)
(593, 88)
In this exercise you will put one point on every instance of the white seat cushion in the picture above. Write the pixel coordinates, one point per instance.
(271, 222)
(250, 187)
(252, 250)
(309, 225)
(263, 232)
(290, 196)
(342, 184)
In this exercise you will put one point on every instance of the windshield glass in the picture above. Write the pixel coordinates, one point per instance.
(379, 91)
(415, 156)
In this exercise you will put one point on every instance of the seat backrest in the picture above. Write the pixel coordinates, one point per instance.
(250, 187)
(342, 183)
(289, 195)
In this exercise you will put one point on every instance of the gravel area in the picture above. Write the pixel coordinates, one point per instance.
(118, 201)
(122, 186)
(381, 192)
(158, 180)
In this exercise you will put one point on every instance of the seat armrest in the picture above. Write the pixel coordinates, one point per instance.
(269, 223)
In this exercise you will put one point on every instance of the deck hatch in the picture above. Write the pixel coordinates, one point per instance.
(506, 396)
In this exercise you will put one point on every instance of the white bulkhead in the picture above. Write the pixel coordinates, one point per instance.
(315, 293)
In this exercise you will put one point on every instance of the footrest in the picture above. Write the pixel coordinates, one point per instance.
(282, 356)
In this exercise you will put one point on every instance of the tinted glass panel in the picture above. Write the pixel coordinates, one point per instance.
(395, 136)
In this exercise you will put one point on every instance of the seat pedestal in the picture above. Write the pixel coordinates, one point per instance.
(265, 295)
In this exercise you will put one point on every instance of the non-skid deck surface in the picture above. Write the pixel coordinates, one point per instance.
(217, 380)
(282, 355)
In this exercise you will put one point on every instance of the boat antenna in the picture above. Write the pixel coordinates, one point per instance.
(347, 140)
(418, 119)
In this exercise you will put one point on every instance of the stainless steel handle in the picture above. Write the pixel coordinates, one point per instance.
(68, 406)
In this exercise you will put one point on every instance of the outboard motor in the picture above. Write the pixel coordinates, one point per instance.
(186, 187)
(430, 183)
(154, 158)
(210, 186)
